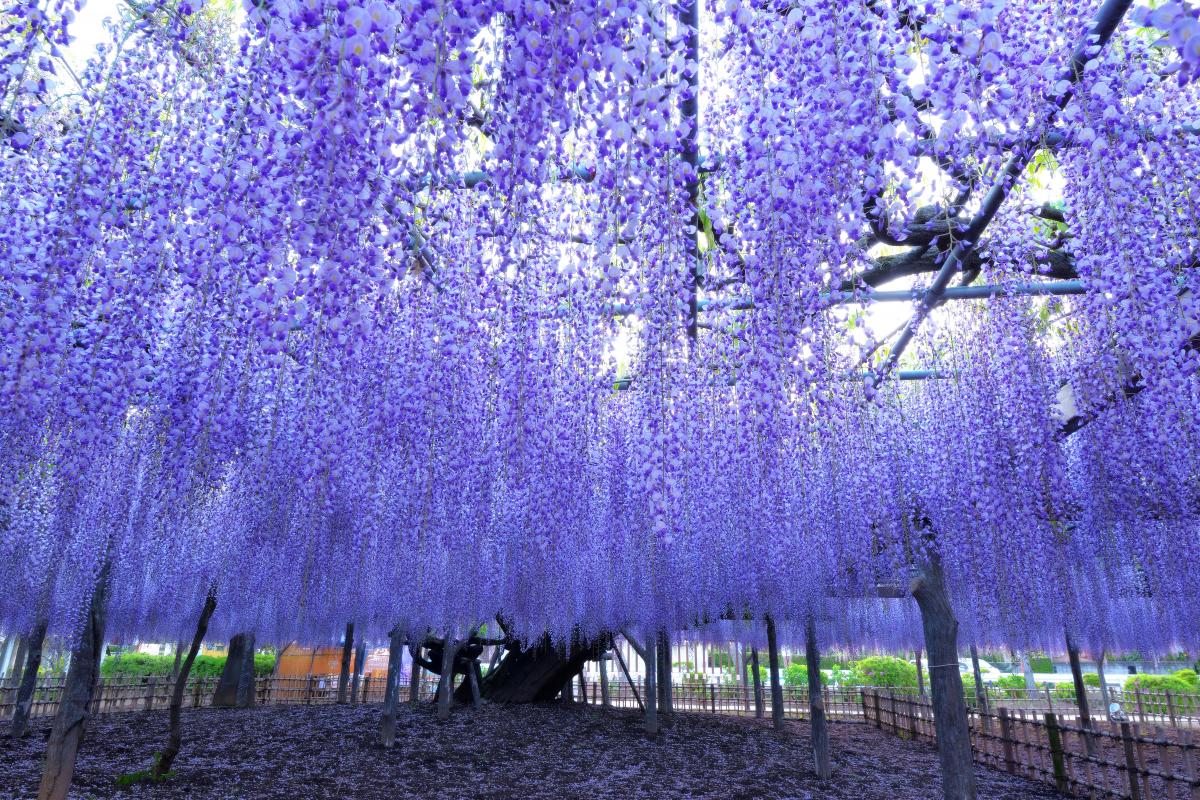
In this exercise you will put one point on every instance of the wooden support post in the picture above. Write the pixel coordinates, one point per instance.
(981, 699)
(446, 679)
(1104, 696)
(1081, 698)
(651, 659)
(175, 728)
(230, 687)
(920, 675)
(1057, 754)
(816, 703)
(366, 688)
(604, 698)
(949, 707)
(665, 670)
(391, 689)
(629, 678)
(773, 667)
(414, 677)
(1027, 669)
(473, 678)
(1131, 767)
(712, 694)
(583, 688)
(1006, 737)
(148, 691)
(67, 731)
(744, 672)
(1170, 706)
(758, 692)
(29, 672)
(360, 660)
(343, 691)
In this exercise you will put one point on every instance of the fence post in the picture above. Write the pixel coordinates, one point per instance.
(148, 683)
(1189, 766)
(97, 700)
(308, 691)
(1010, 762)
(878, 712)
(366, 687)
(1054, 735)
(862, 693)
(1131, 769)
(914, 708)
(1137, 693)
(1170, 707)
(712, 694)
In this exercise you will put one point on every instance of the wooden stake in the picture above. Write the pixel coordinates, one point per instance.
(758, 692)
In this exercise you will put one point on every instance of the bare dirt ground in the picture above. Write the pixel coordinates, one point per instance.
(550, 752)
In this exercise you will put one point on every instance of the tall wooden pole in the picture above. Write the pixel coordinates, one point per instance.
(920, 675)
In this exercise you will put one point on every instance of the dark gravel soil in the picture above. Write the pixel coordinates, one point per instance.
(495, 752)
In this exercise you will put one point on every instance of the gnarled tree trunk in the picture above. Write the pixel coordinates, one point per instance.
(174, 729)
(945, 683)
(67, 731)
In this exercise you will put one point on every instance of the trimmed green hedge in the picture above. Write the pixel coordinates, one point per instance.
(886, 671)
(1183, 694)
(796, 675)
(138, 665)
(1040, 662)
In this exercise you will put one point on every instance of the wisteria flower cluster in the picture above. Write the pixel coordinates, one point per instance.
(429, 310)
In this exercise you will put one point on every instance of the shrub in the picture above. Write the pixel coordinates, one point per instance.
(1183, 695)
(1040, 662)
(1091, 679)
(139, 665)
(886, 671)
(1189, 677)
(796, 675)
(1011, 685)
(1064, 691)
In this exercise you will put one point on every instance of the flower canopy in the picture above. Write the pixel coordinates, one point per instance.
(429, 310)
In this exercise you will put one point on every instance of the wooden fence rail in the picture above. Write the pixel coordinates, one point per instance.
(1109, 760)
